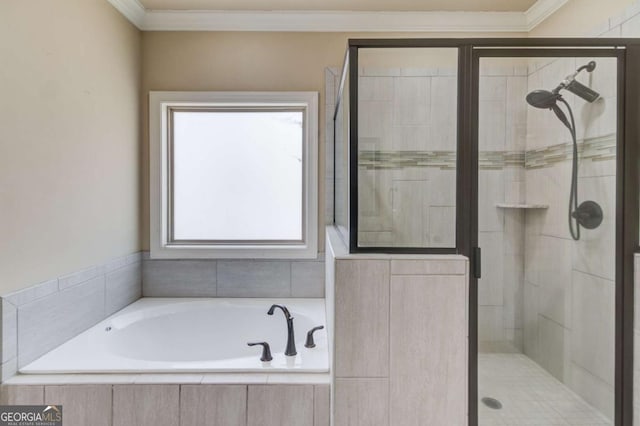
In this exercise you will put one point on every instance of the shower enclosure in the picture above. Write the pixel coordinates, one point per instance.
(522, 155)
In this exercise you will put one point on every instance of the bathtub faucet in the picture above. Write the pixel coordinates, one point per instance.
(291, 341)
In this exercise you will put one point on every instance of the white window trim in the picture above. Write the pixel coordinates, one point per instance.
(159, 103)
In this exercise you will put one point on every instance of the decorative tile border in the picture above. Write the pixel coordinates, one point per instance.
(381, 160)
(595, 149)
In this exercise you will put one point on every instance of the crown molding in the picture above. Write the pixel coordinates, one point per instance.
(541, 10)
(132, 10)
(335, 21)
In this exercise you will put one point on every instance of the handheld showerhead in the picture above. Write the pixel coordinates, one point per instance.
(543, 99)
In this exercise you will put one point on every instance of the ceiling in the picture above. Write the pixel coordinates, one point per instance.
(343, 5)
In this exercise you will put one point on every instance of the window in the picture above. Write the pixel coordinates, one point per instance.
(233, 174)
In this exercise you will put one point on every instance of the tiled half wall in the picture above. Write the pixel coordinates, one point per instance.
(401, 325)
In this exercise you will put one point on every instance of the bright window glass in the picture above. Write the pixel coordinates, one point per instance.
(237, 176)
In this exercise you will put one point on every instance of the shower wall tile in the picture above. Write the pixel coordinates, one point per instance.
(375, 88)
(491, 285)
(593, 332)
(550, 186)
(416, 138)
(418, 72)
(411, 101)
(239, 278)
(493, 88)
(47, 322)
(596, 167)
(513, 293)
(444, 113)
(307, 279)
(553, 347)
(516, 113)
(179, 278)
(445, 180)
(379, 239)
(375, 120)
(407, 200)
(490, 218)
(380, 71)
(595, 252)
(514, 231)
(555, 280)
(441, 230)
(490, 324)
(531, 342)
(593, 390)
(492, 122)
(532, 247)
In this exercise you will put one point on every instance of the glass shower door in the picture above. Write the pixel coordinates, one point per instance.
(547, 228)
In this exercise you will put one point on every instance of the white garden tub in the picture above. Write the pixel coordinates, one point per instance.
(159, 335)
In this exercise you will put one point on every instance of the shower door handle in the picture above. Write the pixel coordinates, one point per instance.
(476, 262)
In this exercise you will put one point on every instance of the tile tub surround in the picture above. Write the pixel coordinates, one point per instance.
(233, 278)
(166, 404)
(42, 317)
(400, 352)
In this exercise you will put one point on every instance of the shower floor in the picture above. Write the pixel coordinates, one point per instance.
(529, 395)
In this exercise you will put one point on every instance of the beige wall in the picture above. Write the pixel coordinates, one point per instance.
(578, 18)
(245, 61)
(69, 138)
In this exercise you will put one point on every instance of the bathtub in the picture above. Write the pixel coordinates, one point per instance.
(161, 335)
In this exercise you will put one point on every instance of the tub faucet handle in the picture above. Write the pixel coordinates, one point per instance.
(266, 351)
(310, 343)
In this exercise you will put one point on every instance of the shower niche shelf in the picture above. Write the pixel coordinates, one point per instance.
(523, 206)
